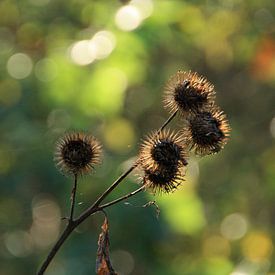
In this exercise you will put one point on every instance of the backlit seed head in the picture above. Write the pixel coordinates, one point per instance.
(164, 180)
(188, 93)
(77, 153)
(207, 132)
(161, 150)
(162, 158)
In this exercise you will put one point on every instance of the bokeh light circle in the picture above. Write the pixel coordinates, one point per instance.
(103, 44)
(234, 226)
(19, 66)
(128, 18)
(82, 53)
(45, 70)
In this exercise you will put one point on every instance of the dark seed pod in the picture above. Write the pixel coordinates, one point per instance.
(188, 93)
(162, 158)
(207, 132)
(164, 180)
(162, 150)
(77, 153)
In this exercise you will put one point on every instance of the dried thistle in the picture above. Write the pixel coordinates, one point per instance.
(165, 180)
(162, 157)
(188, 92)
(77, 153)
(207, 131)
(162, 149)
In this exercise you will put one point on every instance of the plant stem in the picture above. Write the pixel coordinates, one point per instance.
(93, 208)
(115, 184)
(167, 121)
(73, 195)
(73, 224)
(90, 210)
(121, 198)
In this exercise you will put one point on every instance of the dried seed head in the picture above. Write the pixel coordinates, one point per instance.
(164, 180)
(188, 92)
(208, 131)
(162, 149)
(162, 158)
(77, 153)
(165, 153)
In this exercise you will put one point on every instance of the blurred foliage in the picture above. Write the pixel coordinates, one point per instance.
(59, 71)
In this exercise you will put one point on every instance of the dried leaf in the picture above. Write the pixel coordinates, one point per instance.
(103, 261)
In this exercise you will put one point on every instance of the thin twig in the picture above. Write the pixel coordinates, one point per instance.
(167, 121)
(115, 184)
(91, 209)
(121, 198)
(73, 195)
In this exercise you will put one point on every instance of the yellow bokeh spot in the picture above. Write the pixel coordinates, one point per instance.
(119, 135)
(10, 92)
(183, 211)
(257, 246)
(216, 246)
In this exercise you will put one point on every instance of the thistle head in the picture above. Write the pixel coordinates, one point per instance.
(207, 131)
(77, 153)
(187, 92)
(162, 158)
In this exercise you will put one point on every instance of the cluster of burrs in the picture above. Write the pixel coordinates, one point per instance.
(163, 154)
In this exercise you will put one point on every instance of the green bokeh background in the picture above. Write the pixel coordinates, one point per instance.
(221, 221)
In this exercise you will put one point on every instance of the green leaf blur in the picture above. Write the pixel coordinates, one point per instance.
(100, 66)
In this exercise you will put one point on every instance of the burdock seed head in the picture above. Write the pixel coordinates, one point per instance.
(188, 92)
(162, 158)
(164, 180)
(77, 153)
(208, 131)
(161, 150)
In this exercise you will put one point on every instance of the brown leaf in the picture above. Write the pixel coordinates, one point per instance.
(103, 261)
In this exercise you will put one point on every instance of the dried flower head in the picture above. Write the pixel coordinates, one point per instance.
(164, 180)
(77, 153)
(208, 131)
(162, 157)
(162, 149)
(188, 92)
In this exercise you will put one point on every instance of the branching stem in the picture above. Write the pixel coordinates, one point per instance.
(73, 223)
(122, 198)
